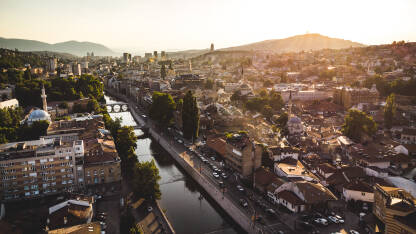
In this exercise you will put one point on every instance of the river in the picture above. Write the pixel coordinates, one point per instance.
(180, 194)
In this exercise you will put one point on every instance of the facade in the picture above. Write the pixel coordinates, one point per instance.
(358, 191)
(238, 151)
(349, 97)
(395, 208)
(408, 136)
(53, 64)
(38, 168)
(242, 154)
(76, 69)
(280, 153)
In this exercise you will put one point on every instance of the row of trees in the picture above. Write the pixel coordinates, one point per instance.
(265, 103)
(59, 89)
(386, 87)
(11, 129)
(162, 109)
(143, 177)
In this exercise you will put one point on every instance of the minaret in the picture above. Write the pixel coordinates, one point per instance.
(190, 66)
(290, 103)
(45, 105)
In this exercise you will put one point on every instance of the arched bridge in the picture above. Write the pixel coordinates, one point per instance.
(117, 107)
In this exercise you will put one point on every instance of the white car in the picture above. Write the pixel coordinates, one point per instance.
(340, 220)
(240, 188)
(333, 219)
(354, 232)
(149, 209)
(321, 221)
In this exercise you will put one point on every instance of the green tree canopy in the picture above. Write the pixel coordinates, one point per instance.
(390, 110)
(357, 124)
(190, 116)
(162, 108)
(145, 182)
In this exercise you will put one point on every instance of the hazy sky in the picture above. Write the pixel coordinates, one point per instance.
(192, 24)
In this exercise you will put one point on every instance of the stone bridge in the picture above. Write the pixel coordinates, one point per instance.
(117, 107)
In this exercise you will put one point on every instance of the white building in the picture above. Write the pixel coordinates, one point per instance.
(358, 191)
(12, 103)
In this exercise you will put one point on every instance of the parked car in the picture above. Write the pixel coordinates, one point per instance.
(354, 232)
(270, 212)
(149, 209)
(321, 221)
(243, 203)
(222, 185)
(212, 158)
(224, 175)
(333, 219)
(216, 176)
(340, 219)
(240, 188)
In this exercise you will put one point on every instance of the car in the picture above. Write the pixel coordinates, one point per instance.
(240, 188)
(260, 219)
(340, 219)
(180, 141)
(243, 203)
(354, 232)
(101, 218)
(321, 221)
(212, 158)
(103, 225)
(102, 213)
(222, 185)
(149, 209)
(224, 175)
(280, 232)
(270, 212)
(216, 176)
(333, 219)
(205, 161)
(306, 225)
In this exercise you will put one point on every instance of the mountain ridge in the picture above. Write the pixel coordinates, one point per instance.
(72, 47)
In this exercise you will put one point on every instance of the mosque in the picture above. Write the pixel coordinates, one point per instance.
(38, 114)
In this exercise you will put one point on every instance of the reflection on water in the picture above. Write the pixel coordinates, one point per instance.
(180, 194)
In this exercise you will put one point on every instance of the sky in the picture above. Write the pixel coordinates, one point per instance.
(147, 25)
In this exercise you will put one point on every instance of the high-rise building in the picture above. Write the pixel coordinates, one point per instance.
(163, 54)
(126, 58)
(147, 55)
(76, 69)
(53, 63)
(155, 54)
(212, 46)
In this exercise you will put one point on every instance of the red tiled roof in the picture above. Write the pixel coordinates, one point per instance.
(217, 144)
(290, 197)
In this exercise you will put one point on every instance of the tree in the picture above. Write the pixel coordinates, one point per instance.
(126, 145)
(390, 110)
(145, 181)
(163, 72)
(27, 75)
(281, 121)
(162, 108)
(267, 111)
(357, 124)
(275, 100)
(93, 106)
(209, 84)
(127, 222)
(190, 116)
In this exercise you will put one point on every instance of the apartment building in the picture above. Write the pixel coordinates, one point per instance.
(38, 168)
(349, 97)
(395, 208)
(238, 151)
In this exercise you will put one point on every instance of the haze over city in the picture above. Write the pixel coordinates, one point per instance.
(186, 24)
(207, 116)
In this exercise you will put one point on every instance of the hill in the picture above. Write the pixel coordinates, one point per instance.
(296, 44)
(70, 47)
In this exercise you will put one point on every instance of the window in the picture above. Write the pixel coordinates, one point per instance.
(362, 194)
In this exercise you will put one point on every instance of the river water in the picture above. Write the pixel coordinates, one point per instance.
(180, 194)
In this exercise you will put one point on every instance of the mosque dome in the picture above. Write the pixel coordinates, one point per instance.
(38, 115)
